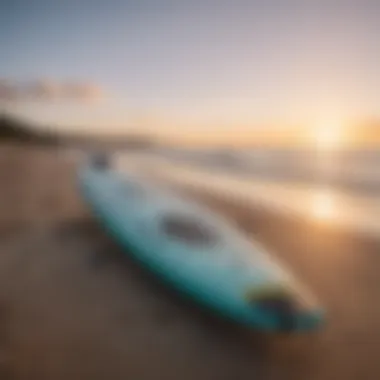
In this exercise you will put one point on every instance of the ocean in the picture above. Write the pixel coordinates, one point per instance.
(337, 188)
(352, 171)
(341, 189)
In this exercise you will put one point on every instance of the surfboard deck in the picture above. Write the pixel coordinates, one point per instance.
(197, 252)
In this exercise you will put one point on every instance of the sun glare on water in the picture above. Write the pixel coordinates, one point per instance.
(323, 206)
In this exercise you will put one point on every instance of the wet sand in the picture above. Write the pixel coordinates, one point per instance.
(74, 306)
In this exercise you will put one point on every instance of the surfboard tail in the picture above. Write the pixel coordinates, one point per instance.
(289, 311)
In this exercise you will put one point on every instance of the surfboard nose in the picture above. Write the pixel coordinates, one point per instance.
(99, 161)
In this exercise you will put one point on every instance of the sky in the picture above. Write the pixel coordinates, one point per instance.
(191, 65)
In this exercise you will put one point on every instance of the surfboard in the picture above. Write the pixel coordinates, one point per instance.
(200, 254)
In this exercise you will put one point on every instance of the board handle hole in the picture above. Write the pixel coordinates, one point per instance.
(189, 230)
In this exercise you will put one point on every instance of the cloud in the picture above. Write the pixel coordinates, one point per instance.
(42, 89)
(83, 91)
(50, 90)
(8, 90)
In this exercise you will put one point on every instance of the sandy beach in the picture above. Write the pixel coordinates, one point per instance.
(74, 306)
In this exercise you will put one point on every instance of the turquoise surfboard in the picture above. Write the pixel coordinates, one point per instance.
(197, 252)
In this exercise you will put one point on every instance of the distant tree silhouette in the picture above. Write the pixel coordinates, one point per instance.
(13, 129)
(16, 130)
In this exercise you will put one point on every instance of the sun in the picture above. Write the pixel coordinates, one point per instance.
(327, 138)
(328, 135)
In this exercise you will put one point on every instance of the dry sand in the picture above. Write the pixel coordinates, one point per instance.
(73, 306)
